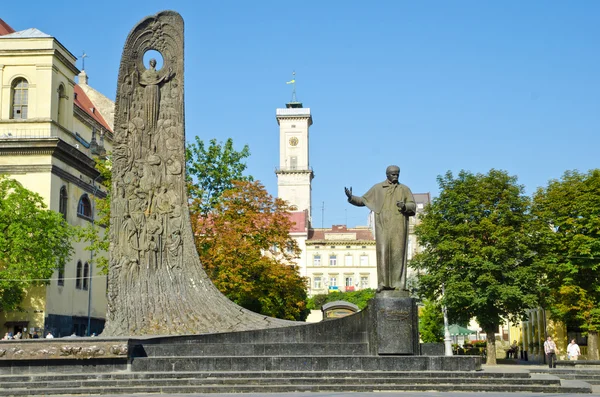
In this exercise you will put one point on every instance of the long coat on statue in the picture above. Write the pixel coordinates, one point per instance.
(391, 230)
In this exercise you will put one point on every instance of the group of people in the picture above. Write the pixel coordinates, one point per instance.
(10, 336)
(19, 335)
(550, 349)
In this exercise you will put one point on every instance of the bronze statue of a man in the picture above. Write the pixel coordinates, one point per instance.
(392, 204)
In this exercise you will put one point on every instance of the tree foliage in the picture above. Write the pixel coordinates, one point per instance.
(245, 247)
(211, 170)
(431, 322)
(478, 242)
(99, 243)
(359, 298)
(569, 213)
(34, 242)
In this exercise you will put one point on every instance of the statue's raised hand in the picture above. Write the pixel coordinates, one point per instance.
(348, 192)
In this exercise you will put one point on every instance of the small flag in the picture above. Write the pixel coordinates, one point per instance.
(291, 82)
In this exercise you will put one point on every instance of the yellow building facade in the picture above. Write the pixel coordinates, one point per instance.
(50, 131)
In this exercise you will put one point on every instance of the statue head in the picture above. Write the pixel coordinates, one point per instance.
(152, 63)
(392, 173)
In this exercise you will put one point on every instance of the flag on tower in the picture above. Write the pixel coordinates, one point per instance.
(291, 81)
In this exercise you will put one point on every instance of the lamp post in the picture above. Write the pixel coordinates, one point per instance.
(447, 340)
(89, 325)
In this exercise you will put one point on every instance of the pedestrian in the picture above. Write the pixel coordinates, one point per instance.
(18, 335)
(35, 335)
(573, 350)
(49, 336)
(550, 350)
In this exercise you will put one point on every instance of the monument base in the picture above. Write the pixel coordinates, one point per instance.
(394, 324)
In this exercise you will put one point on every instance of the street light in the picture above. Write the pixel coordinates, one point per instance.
(447, 340)
(90, 283)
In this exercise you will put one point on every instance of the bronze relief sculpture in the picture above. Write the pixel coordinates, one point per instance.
(156, 283)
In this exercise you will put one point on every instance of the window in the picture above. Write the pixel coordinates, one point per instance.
(364, 282)
(317, 260)
(85, 207)
(61, 111)
(293, 163)
(332, 260)
(317, 282)
(364, 260)
(62, 202)
(349, 281)
(78, 276)
(20, 97)
(332, 281)
(61, 276)
(348, 260)
(86, 276)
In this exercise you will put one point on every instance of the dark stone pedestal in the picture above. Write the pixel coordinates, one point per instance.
(394, 324)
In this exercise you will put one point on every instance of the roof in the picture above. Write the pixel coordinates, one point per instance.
(31, 33)
(5, 28)
(341, 232)
(299, 219)
(424, 198)
(82, 101)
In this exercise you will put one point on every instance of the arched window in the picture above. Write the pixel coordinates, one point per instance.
(61, 276)
(62, 201)
(85, 207)
(20, 98)
(86, 276)
(78, 276)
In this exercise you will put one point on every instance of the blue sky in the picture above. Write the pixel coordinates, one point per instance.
(430, 86)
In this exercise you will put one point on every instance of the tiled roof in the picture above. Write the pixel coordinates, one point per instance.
(82, 101)
(5, 28)
(362, 233)
(30, 33)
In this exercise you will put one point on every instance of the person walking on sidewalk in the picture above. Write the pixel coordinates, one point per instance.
(573, 350)
(550, 350)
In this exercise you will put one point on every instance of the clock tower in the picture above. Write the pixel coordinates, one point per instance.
(294, 174)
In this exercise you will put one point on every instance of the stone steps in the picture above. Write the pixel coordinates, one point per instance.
(302, 363)
(591, 376)
(257, 349)
(281, 382)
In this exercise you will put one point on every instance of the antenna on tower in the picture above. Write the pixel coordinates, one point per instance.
(83, 56)
(293, 83)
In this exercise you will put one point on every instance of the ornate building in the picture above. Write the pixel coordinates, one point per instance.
(50, 130)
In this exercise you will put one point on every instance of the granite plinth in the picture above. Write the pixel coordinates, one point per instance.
(395, 322)
(432, 349)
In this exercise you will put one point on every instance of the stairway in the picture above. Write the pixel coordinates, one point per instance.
(282, 381)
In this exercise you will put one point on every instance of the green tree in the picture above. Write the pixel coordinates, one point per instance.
(246, 249)
(569, 213)
(478, 244)
(431, 322)
(99, 242)
(359, 298)
(211, 170)
(34, 242)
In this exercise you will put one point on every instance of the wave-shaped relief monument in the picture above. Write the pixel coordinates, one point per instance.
(156, 284)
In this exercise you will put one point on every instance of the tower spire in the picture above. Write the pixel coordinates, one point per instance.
(294, 102)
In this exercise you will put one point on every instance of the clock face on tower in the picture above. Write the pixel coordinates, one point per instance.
(293, 141)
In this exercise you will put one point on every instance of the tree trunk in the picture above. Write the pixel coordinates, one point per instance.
(491, 344)
(593, 346)
(156, 283)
